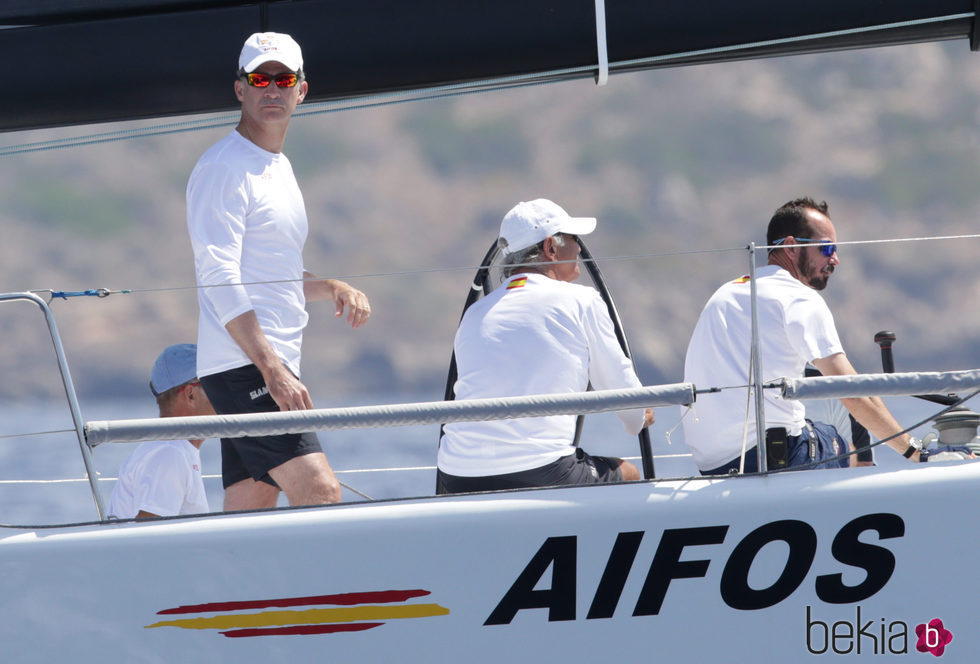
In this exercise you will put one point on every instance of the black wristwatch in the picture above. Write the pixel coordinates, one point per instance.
(915, 445)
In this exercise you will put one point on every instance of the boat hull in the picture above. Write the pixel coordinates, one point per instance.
(784, 567)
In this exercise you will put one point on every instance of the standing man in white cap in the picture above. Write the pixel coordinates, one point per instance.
(248, 224)
(164, 478)
(538, 334)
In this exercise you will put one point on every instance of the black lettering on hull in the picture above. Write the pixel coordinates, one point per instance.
(560, 553)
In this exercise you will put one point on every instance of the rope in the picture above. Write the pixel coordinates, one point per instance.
(602, 74)
(92, 292)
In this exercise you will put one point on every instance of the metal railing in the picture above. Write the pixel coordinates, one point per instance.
(76, 414)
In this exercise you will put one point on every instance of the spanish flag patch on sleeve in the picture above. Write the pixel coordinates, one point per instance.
(742, 280)
(517, 283)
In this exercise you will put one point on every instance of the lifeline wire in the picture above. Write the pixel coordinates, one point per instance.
(76, 480)
(36, 433)
(103, 292)
(886, 241)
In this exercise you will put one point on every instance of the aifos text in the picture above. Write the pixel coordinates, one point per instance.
(877, 561)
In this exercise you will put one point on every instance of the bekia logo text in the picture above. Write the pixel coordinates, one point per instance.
(875, 636)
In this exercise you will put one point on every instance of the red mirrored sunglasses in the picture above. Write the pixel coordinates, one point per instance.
(259, 80)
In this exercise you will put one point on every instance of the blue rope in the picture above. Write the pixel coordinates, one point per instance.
(91, 292)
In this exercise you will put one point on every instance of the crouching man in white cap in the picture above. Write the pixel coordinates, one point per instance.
(164, 478)
(536, 334)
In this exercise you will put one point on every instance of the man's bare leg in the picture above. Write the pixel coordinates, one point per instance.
(307, 480)
(630, 472)
(250, 495)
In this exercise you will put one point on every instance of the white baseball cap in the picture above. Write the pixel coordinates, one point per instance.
(530, 222)
(270, 46)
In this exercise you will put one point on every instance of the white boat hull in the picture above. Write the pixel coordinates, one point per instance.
(548, 575)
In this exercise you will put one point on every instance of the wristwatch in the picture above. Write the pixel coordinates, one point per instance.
(915, 445)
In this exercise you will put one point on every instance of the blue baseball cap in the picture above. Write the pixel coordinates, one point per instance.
(176, 365)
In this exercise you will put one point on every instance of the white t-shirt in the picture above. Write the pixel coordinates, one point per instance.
(533, 335)
(162, 478)
(247, 225)
(795, 327)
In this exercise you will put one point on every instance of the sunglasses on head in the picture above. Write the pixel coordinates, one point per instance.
(259, 80)
(825, 248)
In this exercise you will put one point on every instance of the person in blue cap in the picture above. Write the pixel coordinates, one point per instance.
(163, 478)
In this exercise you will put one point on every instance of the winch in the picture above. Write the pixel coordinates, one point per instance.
(958, 426)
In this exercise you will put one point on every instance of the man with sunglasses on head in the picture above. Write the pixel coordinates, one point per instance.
(795, 327)
(164, 478)
(248, 224)
(537, 333)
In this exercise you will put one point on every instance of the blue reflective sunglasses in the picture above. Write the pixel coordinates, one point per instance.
(826, 249)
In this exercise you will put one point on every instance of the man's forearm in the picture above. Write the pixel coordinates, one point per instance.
(316, 289)
(869, 411)
(344, 296)
(876, 418)
(284, 388)
(245, 330)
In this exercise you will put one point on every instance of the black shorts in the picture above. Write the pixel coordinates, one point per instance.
(242, 390)
(578, 468)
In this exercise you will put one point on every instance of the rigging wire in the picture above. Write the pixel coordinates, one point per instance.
(36, 433)
(105, 292)
(794, 40)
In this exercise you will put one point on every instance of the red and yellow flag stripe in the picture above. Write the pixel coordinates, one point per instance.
(358, 612)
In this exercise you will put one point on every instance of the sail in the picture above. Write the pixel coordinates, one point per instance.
(97, 61)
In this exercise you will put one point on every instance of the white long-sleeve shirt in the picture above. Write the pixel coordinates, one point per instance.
(247, 224)
(533, 335)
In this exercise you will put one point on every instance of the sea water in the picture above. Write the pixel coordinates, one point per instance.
(42, 475)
